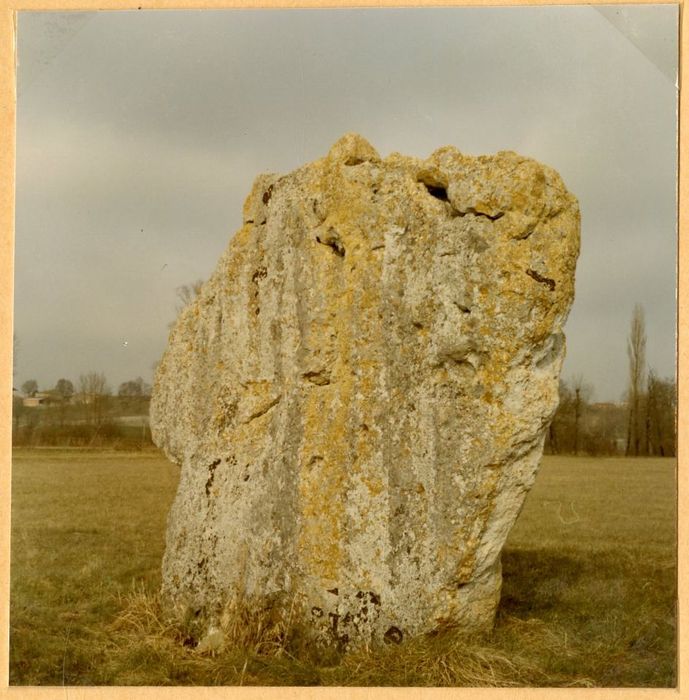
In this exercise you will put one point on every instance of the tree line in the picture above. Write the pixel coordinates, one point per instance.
(644, 424)
(88, 414)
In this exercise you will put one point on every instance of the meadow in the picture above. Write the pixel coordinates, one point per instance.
(588, 599)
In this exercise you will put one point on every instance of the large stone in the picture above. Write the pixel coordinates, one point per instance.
(358, 397)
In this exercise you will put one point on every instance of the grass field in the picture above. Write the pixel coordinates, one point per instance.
(589, 593)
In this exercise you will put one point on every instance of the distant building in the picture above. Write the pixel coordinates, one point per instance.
(33, 401)
(41, 398)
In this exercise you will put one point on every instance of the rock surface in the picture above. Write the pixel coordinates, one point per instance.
(359, 395)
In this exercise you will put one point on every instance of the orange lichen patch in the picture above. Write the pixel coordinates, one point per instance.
(325, 446)
(375, 485)
(321, 502)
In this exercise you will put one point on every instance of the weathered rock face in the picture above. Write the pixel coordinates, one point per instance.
(358, 398)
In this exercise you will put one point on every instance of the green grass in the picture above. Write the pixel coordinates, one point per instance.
(588, 597)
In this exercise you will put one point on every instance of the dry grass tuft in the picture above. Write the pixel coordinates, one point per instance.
(448, 659)
(257, 628)
(259, 648)
(246, 637)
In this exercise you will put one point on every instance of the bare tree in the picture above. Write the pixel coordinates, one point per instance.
(661, 413)
(186, 293)
(93, 393)
(558, 426)
(582, 393)
(93, 384)
(636, 351)
(570, 429)
(65, 390)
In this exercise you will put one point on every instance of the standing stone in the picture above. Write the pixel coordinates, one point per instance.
(358, 397)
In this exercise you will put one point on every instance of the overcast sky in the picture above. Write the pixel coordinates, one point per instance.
(139, 135)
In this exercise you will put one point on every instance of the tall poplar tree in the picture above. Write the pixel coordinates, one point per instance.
(636, 351)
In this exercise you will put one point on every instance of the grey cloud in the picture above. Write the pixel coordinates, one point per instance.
(160, 121)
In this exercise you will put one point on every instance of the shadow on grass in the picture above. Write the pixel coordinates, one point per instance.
(535, 581)
(609, 615)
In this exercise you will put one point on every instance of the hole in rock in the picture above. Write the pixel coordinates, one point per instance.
(474, 212)
(393, 635)
(437, 191)
(319, 377)
(547, 281)
(259, 274)
(336, 246)
(211, 475)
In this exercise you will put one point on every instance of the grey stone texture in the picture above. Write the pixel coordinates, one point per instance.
(359, 395)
